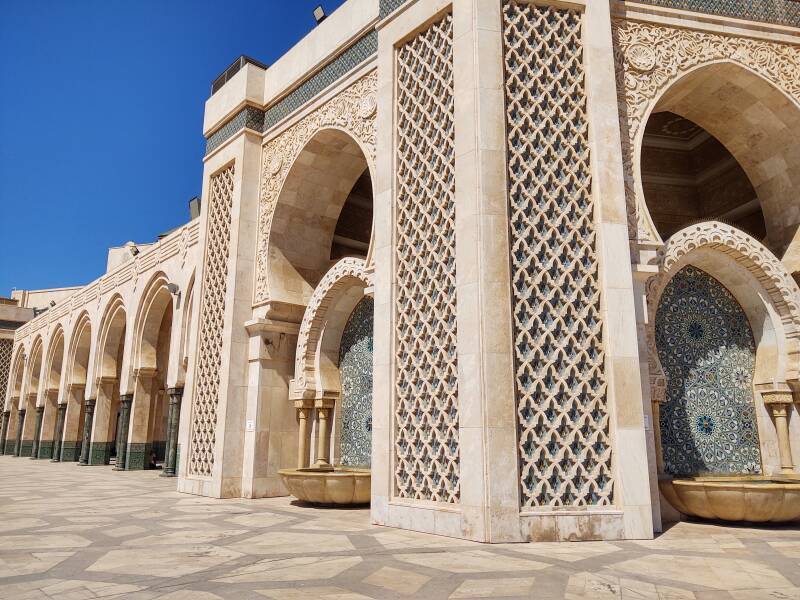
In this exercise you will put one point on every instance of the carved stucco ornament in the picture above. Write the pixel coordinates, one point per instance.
(650, 58)
(353, 110)
(343, 275)
(780, 287)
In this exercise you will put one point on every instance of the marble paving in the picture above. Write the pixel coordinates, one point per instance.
(70, 532)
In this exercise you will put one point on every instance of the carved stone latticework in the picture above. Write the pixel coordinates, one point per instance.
(426, 385)
(352, 111)
(6, 347)
(650, 58)
(563, 421)
(212, 317)
(342, 275)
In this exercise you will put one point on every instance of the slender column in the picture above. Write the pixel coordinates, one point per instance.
(122, 431)
(324, 441)
(780, 412)
(657, 436)
(37, 432)
(61, 412)
(4, 430)
(20, 424)
(173, 420)
(302, 447)
(88, 416)
(779, 403)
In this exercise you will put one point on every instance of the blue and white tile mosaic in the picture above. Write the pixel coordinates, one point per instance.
(706, 348)
(355, 367)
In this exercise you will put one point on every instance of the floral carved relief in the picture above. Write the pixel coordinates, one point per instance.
(650, 58)
(354, 111)
(343, 275)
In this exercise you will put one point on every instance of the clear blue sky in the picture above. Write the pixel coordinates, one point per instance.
(101, 113)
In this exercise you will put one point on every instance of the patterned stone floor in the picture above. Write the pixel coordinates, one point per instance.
(89, 532)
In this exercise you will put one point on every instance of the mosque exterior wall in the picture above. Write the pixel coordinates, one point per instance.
(514, 268)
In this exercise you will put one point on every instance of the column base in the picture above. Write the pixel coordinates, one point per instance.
(165, 474)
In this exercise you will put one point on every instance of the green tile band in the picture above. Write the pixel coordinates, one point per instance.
(46, 449)
(100, 453)
(70, 451)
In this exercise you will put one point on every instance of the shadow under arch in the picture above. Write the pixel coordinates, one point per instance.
(759, 124)
(307, 211)
(76, 373)
(764, 290)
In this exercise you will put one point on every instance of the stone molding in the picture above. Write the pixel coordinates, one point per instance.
(343, 275)
(783, 292)
(651, 58)
(352, 111)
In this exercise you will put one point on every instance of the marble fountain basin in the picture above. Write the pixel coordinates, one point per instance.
(337, 487)
(751, 498)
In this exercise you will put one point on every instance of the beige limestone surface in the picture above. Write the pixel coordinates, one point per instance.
(70, 532)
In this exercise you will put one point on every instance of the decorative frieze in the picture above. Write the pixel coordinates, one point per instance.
(650, 58)
(353, 111)
(563, 421)
(426, 408)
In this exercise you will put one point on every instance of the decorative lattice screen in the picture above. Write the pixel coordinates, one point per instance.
(426, 408)
(5, 368)
(564, 450)
(212, 314)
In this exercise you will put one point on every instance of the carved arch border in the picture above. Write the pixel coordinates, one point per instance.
(353, 111)
(781, 289)
(342, 276)
(650, 58)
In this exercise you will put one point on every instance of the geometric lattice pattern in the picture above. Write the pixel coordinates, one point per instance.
(5, 368)
(706, 348)
(564, 449)
(355, 369)
(212, 315)
(426, 384)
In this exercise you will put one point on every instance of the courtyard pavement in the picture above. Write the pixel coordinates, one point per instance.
(89, 532)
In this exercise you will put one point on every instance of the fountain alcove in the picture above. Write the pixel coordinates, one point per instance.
(336, 426)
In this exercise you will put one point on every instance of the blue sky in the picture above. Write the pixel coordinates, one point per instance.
(101, 113)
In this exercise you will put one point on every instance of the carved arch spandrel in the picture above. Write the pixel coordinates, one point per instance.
(780, 288)
(353, 111)
(342, 276)
(650, 58)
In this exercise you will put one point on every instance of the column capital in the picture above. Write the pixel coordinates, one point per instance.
(40, 409)
(90, 402)
(777, 397)
(145, 372)
(175, 391)
(126, 399)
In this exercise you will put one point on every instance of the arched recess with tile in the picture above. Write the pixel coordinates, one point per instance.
(714, 280)
(145, 426)
(76, 379)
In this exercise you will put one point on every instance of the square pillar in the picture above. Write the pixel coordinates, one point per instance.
(216, 386)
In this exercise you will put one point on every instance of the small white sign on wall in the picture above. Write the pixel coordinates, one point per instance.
(251, 426)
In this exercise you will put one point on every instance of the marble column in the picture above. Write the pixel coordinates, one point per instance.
(173, 420)
(37, 432)
(324, 438)
(780, 404)
(303, 413)
(122, 431)
(4, 430)
(60, 414)
(88, 416)
(20, 424)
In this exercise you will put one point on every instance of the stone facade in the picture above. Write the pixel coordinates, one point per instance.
(549, 314)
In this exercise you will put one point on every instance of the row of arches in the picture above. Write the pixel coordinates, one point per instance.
(105, 385)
